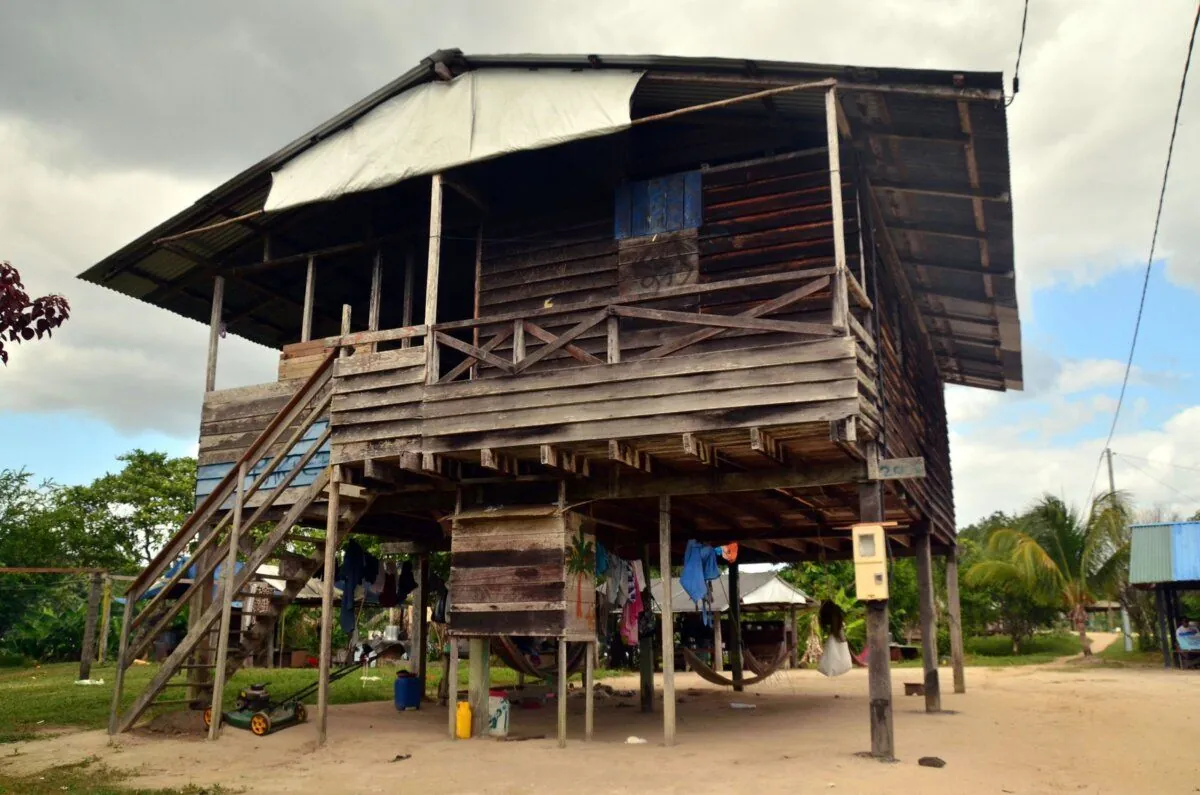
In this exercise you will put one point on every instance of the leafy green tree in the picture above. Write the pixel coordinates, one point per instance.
(1058, 557)
(29, 536)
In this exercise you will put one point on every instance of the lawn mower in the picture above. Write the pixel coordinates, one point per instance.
(255, 710)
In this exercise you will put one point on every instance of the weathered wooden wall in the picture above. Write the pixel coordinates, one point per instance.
(376, 408)
(510, 574)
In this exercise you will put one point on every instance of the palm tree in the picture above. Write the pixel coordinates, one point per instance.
(1060, 556)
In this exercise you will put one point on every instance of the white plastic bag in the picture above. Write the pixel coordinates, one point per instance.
(836, 660)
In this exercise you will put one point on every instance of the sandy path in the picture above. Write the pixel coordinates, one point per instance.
(1065, 727)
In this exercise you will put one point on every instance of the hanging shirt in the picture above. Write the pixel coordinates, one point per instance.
(699, 566)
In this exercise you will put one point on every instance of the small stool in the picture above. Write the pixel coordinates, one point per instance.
(914, 689)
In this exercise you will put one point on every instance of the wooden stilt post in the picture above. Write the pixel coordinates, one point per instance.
(928, 613)
(841, 295)
(646, 643)
(418, 654)
(794, 658)
(478, 685)
(589, 695)
(214, 332)
(718, 661)
(376, 302)
(332, 538)
(227, 592)
(106, 596)
(310, 288)
(735, 627)
(450, 677)
(562, 694)
(954, 614)
(879, 675)
(88, 653)
(122, 664)
(668, 620)
(406, 314)
(432, 366)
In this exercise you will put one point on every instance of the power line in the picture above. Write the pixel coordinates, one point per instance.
(1187, 497)
(1163, 463)
(1162, 193)
(1020, 49)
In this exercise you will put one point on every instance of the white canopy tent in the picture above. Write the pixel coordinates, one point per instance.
(760, 591)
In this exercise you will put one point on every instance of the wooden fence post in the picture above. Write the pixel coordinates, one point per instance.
(88, 653)
(928, 614)
(668, 619)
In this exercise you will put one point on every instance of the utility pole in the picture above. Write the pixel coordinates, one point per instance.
(1112, 489)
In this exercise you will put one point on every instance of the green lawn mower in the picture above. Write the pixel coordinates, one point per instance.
(256, 711)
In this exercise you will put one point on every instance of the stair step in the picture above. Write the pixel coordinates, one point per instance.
(307, 539)
(197, 665)
(170, 701)
(197, 685)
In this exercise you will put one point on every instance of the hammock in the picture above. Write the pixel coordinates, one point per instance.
(504, 648)
(757, 667)
(709, 675)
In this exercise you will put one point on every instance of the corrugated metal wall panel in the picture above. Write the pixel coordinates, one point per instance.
(208, 476)
(1150, 554)
(1185, 551)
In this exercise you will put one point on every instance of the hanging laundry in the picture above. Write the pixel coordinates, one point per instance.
(358, 566)
(406, 583)
(699, 566)
(729, 552)
(601, 561)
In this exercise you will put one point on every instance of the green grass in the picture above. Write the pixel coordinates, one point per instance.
(1116, 655)
(996, 650)
(35, 699)
(84, 777)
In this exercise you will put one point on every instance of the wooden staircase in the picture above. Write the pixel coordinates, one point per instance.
(218, 534)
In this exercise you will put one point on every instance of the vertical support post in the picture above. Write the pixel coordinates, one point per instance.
(478, 290)
(794, 657)
(310, 291)
(106, 596)
(376, 294)
(928, 614)
(88, 653)
(327, 577)
(646, 642)
(735, 626)
(227, 589)
(518, 343)
(954, 614)
(562, 693)
(841, 300)
(214, 332)
(420, 638)
(668, 619)
(122, 664)
(406, 311)
(879, 675)
(432, 366)
(478, 685)
(450, 677)
(718, 661)
(614, 339)
(589, 695)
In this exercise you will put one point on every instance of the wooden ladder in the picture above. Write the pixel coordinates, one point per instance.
(217, 535)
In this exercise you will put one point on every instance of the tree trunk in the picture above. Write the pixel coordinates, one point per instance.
(1080, 616)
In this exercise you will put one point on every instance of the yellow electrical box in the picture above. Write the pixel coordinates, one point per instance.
(870, 562)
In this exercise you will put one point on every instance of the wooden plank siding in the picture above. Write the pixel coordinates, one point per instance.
(510, 574)
(770, 386)
(764, 217)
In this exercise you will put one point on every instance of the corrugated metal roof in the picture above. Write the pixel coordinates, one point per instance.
(938, 166)
(1150, 554)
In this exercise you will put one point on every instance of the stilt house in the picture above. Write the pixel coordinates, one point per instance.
(528, 304)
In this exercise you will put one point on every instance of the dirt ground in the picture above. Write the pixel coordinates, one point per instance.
(1066, 727)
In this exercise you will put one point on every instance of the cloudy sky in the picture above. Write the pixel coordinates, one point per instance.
(115, 115)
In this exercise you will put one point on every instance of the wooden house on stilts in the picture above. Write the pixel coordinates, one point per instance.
(528, 305)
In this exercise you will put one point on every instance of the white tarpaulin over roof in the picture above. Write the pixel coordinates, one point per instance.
(763, 590)
(438, 125)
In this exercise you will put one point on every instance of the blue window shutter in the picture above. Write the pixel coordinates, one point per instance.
(662, 204)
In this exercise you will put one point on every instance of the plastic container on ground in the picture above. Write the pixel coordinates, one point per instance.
(498, 711)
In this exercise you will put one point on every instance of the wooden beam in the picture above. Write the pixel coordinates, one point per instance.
(735, 626)
(497, 461)
(954, 619)
(614, 339)
(376, 301)
(943, 191)
(794, 544)
(928, 616)
(932, 228)
(589, 693)
(420, 639)
(406, 312)
(228, 587)
(326, 648)
(767, 446)
(478, 684)
(668, 620)
(699, 449)
(564, 460)
(540, 333)
(629, 456)
(450, 678)
(88, 653)
(214, 333)
(432, 367)
(969, 267)
(310, 288)
(870, 496)
(646, 643)
(841, 304)
(715, 482)
(563, 673)
(105, 619)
